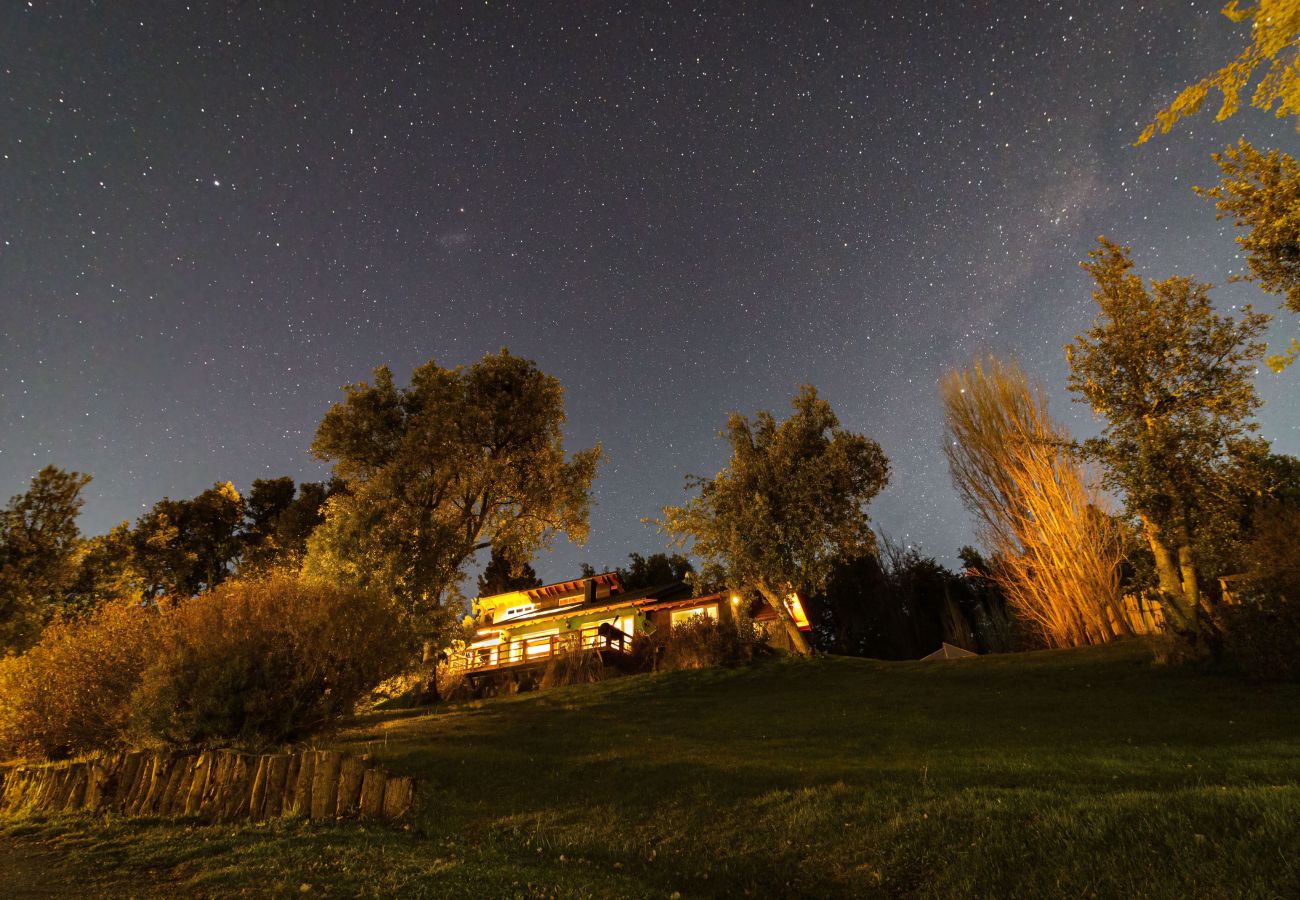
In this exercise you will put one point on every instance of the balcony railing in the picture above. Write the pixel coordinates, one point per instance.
(531, 650)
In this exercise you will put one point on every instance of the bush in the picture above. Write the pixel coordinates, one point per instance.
(266, 661)
(700, 642)
(72, 691)
(249, 663)
(1262, 630)
(581, 667)
(1262, 634)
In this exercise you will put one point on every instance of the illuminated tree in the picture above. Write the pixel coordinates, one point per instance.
(1174, 383)
(1261, 192)
(1275, 40)
(38, 539)
(790, 503)
(462, 460)
(1058, 552)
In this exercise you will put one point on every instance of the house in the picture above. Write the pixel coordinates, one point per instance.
(528, 627)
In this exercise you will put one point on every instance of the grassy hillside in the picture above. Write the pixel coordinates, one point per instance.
(1067, 773)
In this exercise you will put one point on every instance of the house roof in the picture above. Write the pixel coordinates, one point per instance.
(642, 598)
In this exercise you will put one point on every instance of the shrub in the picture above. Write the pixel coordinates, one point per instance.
(582, 667)
(266, 661)
(72, 690)
(1262, 634)
(1262, 631)
(699, 642)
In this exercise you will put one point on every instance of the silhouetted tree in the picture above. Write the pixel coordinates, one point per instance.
(500, 576)
(654, 570)
(38, 537)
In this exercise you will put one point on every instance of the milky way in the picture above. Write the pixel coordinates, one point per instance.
(214, 216)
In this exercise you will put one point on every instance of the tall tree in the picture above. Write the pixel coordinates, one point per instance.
(1275, 41)
(280, 519)
(1173, 381)
(38, 538)
(501, 576)
(1059, 552)
(791, 501)
(462, 460)
(654, 570)
(182, 547)
(1261, 192)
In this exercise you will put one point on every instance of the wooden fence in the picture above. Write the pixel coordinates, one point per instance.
(217, 786)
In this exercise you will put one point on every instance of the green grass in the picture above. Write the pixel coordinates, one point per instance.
(1075, 773)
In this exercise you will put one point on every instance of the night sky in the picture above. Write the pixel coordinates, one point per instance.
(213, 216)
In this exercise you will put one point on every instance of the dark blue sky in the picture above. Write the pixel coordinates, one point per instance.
(213, 216)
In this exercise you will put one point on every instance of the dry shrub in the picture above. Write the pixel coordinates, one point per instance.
(451, 684)
(700, 642)
(72, 691)
(267, 661)
(582, 667)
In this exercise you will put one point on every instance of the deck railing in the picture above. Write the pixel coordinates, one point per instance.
(530, 650)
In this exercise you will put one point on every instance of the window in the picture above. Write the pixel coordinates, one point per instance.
(681, 615)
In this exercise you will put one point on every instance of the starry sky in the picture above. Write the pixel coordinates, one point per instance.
(214, 215)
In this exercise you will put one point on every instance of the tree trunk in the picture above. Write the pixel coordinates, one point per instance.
(1176, 604)
(797, 640)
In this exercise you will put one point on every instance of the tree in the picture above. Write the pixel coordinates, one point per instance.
(1058, 550)
(1262, 194)
(791, 501)
(1275, 33)
(280, 518)
(1173, 382)
(105, 570)
(501, 576)
(654, 570)
(183, 547)
(38, 536)
(462, 460)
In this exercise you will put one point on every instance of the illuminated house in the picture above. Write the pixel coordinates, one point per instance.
(528, 627)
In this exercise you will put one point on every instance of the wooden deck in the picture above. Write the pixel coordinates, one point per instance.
(538, 650)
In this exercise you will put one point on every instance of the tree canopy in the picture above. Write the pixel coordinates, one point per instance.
(181, 547)
(462, 459)
(1173, 381)
(791, 501)
(38, 541)
(1261, 192)
(501, 576)
(654, 570)
(1274, 31)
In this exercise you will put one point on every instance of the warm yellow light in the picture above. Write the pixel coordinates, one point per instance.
(735, 599)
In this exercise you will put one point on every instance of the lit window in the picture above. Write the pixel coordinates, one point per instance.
(681, 615)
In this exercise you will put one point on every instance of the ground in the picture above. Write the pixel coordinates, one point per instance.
(1064, 773)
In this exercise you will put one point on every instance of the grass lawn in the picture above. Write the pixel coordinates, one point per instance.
(1068, 773)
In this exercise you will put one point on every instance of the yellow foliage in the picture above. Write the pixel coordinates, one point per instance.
(1275, 33)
